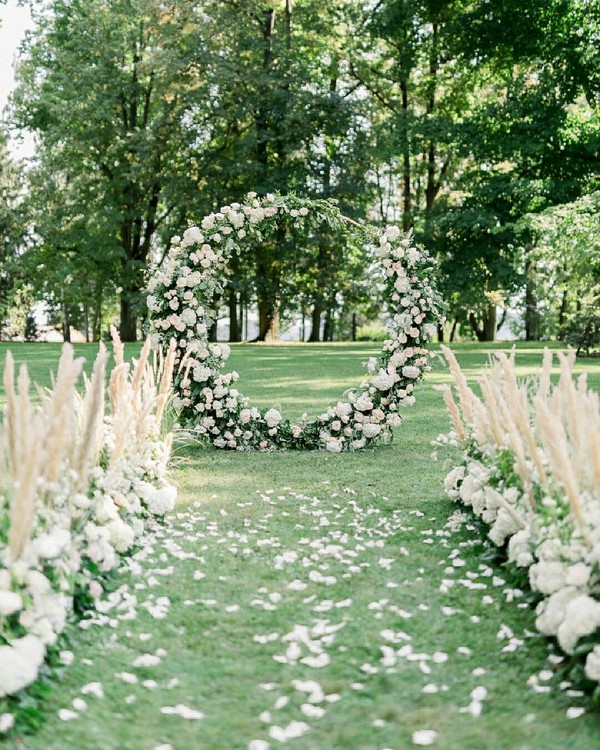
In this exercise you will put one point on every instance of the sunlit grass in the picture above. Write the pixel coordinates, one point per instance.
(214, 656)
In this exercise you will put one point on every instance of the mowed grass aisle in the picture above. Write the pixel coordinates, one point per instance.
(316, 599)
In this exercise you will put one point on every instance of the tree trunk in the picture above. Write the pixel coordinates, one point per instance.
(234, 326)
(354, 326)
(562, 314)
(315, 331)
(489, 323)
(432, 188)
(453, 330)
(406, 173)
(487, 330)
(329, 326)
(266, 318)
(532, 316)
(212, 331)
(66, 325)
(440, 333)
(128, 324)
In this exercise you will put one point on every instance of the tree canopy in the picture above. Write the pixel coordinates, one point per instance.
(460, 120)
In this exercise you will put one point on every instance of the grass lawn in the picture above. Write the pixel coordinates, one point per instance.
(273, 559)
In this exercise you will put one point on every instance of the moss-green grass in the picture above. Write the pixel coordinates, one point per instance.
(212, 652)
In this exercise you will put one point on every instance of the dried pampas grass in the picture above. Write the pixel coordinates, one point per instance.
(552, 431)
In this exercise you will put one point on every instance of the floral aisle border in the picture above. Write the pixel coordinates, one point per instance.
(531, 472)
(180, 299)
(78, 488)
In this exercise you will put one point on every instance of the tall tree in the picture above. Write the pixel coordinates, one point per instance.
(289, 121)
(12, 230)
(106, 88)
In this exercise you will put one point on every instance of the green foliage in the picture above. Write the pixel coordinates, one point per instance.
(461, 120)
(582, 330)
(14, 300)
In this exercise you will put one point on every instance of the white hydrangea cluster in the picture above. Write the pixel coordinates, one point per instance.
(212, 407)
(524, 502)
(77, 532)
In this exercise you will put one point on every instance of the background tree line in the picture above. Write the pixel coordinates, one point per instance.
(472, 123)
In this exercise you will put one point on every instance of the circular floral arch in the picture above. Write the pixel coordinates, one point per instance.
(180, 296)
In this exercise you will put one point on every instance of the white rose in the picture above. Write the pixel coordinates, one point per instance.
(430, 330)
(363, 403)
(410, 371)
(384, 381)
(273, 418)
(392, 232)
(333, 445)
(402, 284)
(192, 235)
(343, 409)
(371, 430)
(188, 316)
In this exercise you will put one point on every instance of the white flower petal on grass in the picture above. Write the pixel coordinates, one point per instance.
(182, 710)
(93, 688)
(424, 737)
(146, 660)
(258, 745)
(297, 585)
(164, 746)
(293, 730)
(79, 704)
(126, 677)
(574, 712)
(316, 662)
(65, 714)
(7, 721)
(479, 694)
(66, 657)
(313, 712)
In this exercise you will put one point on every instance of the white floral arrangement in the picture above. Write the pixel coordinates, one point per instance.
(531, 472)
(78, 488)
(181, 291)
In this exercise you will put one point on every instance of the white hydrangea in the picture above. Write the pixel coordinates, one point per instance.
(383, 381)
(592, 664)
(10, 602)
(582, 617)
(20, 663)
(551, 612)
(410, 371)
(547, 576)
(371, 430)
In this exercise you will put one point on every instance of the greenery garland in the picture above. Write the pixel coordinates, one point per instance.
(180, 298)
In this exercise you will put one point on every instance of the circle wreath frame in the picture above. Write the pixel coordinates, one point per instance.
(209, 403)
